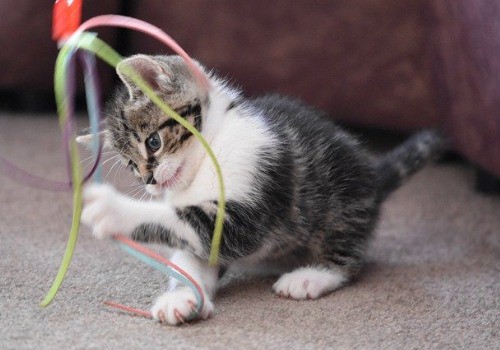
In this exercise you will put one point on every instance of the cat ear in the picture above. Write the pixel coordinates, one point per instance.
(150, 70)
(86, 138)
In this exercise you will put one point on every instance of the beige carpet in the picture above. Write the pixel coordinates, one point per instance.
(433, 280)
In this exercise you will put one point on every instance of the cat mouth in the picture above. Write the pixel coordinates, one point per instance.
(173, 180)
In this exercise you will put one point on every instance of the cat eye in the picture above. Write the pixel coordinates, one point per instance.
(153, 142)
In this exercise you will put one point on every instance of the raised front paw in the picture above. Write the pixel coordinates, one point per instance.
(105, 211)
(177, 307)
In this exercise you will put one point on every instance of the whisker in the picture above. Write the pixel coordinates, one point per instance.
(143, 195)
(133, 192)
(118, 171)
(109, 159)
(109, 171)
(137, 192)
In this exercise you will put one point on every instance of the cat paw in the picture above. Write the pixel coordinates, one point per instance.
(104, 211)
(308, 283)
(176, 307)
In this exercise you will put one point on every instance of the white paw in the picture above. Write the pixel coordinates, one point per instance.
(104, 211)
(176, 307)
(308, 283)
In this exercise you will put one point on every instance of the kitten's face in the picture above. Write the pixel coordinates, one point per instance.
(154, 146)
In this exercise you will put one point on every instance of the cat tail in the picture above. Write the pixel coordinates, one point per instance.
(406, 159)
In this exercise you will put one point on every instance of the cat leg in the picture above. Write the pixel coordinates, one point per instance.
(109, 212)
(310, 282)
(174, 306)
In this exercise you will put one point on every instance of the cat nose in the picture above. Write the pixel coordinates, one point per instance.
(151, 180)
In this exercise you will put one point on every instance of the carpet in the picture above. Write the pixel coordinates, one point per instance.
(432, 280)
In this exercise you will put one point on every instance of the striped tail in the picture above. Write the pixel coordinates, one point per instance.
(403, 161)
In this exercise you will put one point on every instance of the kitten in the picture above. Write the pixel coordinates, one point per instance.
(302, 194)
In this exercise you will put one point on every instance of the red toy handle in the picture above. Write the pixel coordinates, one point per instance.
(66, 18)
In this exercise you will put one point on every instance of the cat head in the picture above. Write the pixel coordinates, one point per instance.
(155, 147)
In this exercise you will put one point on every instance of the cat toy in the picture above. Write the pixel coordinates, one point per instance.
(75, 41)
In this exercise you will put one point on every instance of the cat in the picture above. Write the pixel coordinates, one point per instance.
(303, 195)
